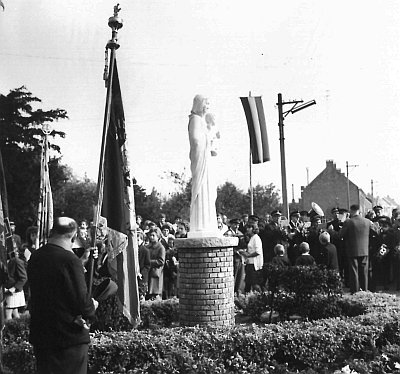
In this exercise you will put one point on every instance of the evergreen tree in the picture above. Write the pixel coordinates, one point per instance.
(20, 144)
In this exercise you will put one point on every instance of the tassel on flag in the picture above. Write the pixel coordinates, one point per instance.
(45, 209)
(254, 111)
(118, 206)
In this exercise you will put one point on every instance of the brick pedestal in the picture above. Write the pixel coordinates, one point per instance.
(206, 285)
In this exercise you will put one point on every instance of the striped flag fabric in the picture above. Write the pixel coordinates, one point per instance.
(45, 209)
(254, 111)
(118, 207)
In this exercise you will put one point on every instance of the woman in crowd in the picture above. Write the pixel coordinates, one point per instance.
(30, 244)
(157, 260)
(171, 270)
(17, 278)
(254, 259)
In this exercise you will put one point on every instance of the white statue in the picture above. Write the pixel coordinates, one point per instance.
(203, 137)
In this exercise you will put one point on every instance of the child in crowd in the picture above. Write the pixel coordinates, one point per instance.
(171, 270)
(280, 258)
(144, 265)
(165, 235)
(157, 261)
(305, 259)
(182, 229)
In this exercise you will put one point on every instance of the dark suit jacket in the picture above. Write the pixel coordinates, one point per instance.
(355, 233)
(58, 296)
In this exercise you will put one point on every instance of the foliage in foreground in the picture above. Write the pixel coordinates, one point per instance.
(368, 343)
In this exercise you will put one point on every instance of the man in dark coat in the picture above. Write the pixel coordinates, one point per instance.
(355, 233)
(60, 304)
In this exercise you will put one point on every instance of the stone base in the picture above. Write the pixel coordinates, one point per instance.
(206, 284)
(203, 234)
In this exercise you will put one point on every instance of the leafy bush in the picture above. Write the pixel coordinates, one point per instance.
(311, 292)
(366, 343)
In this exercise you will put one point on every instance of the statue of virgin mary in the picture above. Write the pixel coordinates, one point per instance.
(203, 217)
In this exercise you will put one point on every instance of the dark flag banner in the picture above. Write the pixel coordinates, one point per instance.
(254, 111)
(118, 207)
(45, 209)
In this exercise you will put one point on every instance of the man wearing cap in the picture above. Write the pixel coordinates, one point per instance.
(378, 212)
(355, 233)
(60, 303)
(382, 254)
(312, 237)
(333, 227)
(243, 222)
(274, 235)
(238, 261)
(295, 236)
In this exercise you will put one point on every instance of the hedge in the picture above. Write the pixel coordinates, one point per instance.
(367, 343)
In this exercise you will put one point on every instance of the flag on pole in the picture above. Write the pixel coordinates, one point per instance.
(45, 209)
(254, 111)
(118, 206)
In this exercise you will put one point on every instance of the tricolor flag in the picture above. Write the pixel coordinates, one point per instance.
(118, 206)
(253, 108)
(45, 209)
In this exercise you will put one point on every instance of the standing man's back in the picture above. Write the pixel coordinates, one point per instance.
(355, 233)
(59, 303)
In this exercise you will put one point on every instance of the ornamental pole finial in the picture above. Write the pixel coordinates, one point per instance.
(115, 22)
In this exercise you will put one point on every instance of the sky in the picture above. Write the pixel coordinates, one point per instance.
(343, 54)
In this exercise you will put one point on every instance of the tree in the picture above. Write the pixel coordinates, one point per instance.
(178, 202)
(231, 201)
(76, 198)
(20, 144)
(265, 199)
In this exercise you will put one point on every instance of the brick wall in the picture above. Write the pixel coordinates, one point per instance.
(206, 285)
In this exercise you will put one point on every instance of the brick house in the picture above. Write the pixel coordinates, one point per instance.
(329, 190)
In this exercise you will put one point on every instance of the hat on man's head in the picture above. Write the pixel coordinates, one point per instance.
(335, 210)
(343, 210)
(377, 207)
(295, 213)
(104, 290)
(253, 218)
(234, 221)
(276, 213)
(303, 213)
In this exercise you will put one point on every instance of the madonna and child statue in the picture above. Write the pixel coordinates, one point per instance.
(203, 138)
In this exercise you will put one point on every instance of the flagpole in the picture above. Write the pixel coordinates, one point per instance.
(251, 186)
(115, 23)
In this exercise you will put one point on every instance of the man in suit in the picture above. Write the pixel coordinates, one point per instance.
(355, 233)
(60, 304)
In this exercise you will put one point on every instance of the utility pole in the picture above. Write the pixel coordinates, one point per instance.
(348, 182)
(372, 191)
(281, 115)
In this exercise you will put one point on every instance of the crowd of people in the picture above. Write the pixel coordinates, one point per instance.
(366, 256)
(365, 251)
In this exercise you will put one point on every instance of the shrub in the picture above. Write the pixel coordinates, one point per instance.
(321, 346)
